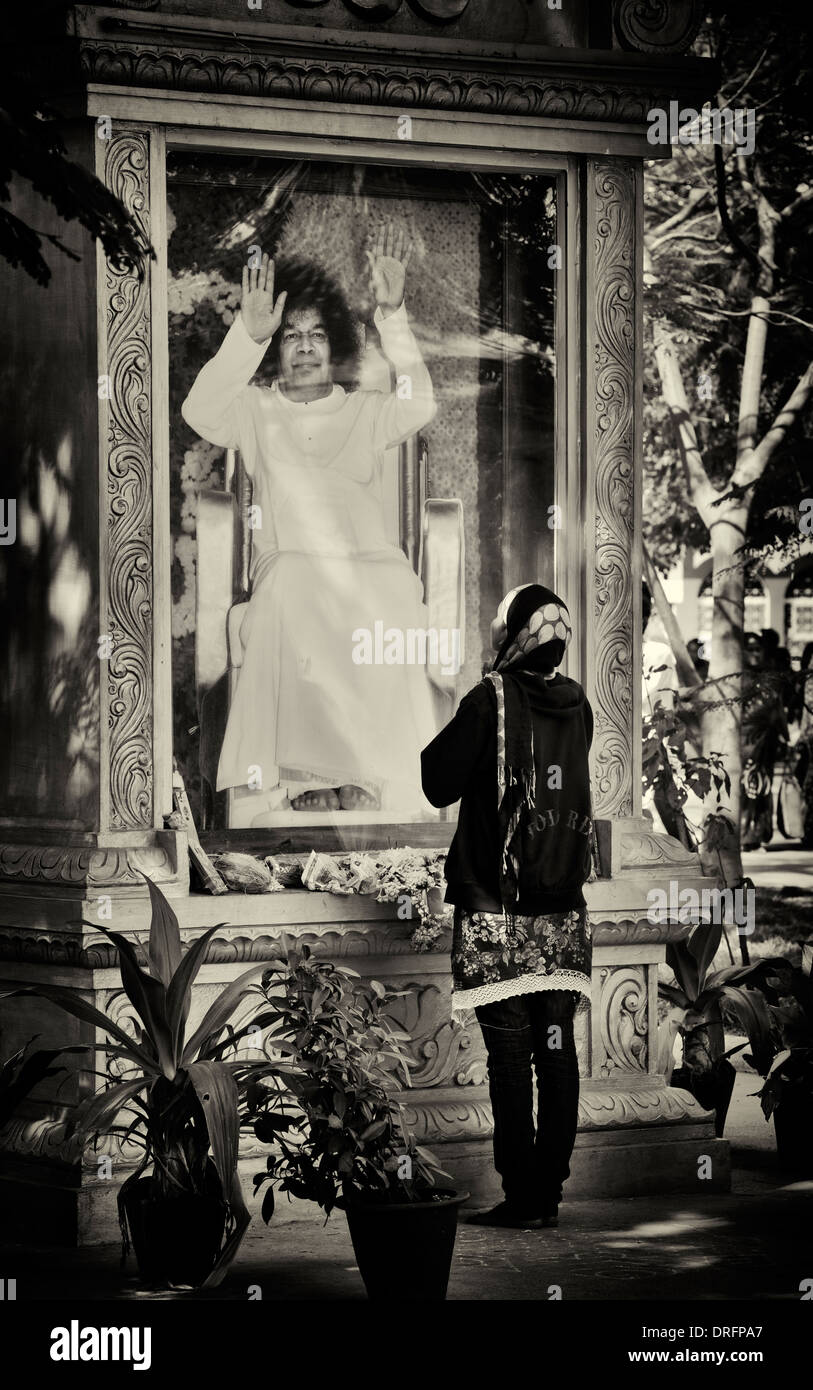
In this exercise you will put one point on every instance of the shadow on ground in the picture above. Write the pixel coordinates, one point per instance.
(749, 1244)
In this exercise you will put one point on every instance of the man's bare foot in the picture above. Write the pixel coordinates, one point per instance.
(357, 799)
(327, 800)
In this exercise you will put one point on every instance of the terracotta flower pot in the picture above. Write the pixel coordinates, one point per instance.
(711, 1089)
(404, 1250)
(176, 1239)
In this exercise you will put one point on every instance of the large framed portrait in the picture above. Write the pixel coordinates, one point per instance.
(364, 444)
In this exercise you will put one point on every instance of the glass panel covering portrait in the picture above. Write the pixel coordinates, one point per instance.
(363, 447)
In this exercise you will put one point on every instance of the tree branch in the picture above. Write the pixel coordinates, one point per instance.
(750, 469)
(751, 381)
(743, 86)
(804, 197)
(728, 227)
(680, 235)
(697, 196)
(674, 394)
(684, 666)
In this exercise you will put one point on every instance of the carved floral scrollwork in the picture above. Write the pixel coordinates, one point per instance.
(445, 1121)
(83, 866)
(648, 848)
(612, 351)
(442, 1051)
(658, 26)
(121, 1011)
(374, 83)
(129, 504)
(644, 1105)
(623, 1017)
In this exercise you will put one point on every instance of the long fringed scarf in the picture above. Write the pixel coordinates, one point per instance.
(516, 779)
(536, 619)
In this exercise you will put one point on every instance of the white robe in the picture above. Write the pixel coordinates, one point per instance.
(322, 569)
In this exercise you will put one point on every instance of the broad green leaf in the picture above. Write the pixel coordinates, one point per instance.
(779, 1060)
(165, 937)
(92, 1115)
(374, 1130)
(261, 1020)
(148, 997)
(749, 1008)
(683, 964)
(755, 973)
(667, 1032)
(703, 945)
(673, 995)
(179, 991)
(216, 1090)
(269, 1122)
(221, 1010)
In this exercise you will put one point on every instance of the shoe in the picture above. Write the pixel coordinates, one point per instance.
(508, 1218)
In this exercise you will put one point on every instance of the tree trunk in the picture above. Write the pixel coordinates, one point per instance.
(722, 715)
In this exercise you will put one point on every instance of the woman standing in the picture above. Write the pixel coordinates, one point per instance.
(515, 755)
(325, 732)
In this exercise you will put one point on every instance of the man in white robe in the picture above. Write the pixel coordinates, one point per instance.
(324, 732)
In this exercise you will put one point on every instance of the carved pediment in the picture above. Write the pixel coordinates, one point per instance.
(414, 53)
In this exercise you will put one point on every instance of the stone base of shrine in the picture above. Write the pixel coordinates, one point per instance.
(675, 1150)
(609, 1164)
(636, 1134)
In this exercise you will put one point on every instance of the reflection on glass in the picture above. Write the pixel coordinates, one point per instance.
(370, 465)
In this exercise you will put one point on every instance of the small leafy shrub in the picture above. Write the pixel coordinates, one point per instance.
(346, 1140)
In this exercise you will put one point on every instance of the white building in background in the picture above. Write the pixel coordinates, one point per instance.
(782, 599)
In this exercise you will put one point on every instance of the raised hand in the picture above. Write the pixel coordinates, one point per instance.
(261, 316)
(388, 266)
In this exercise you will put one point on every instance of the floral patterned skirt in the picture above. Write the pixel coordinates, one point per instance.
(496, 956)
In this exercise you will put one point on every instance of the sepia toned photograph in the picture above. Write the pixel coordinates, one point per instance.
(406, 742)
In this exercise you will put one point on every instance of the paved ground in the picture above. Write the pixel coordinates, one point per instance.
(782, 864)
(752, 1244)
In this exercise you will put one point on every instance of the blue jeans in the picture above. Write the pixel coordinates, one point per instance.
(525, 1031)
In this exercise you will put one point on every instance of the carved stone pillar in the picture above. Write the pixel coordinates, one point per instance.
(612, 403)
(51, 879)
(625, 1101)
(134, 690)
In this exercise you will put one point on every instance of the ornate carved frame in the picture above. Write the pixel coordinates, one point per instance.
(323, 95)
(134, 458)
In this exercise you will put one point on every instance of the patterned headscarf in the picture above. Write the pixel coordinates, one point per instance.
(528, 619)
(538, 618)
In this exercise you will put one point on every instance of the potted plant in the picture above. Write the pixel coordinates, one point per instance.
(697, 1003)
(178, 1102)
(787, 1093)
(350, 1147)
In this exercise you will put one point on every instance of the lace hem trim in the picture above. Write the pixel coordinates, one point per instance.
(465, 999)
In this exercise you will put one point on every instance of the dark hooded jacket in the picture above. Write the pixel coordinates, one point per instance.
(461, 764)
